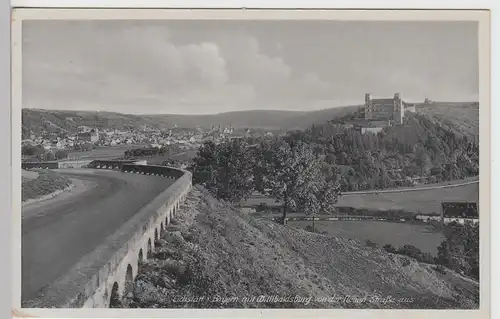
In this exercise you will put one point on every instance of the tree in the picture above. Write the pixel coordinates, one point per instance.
(226, 170)
(60, 154)
(460, 249)
(234, 174)
(290, 172)
(389, 248)
(31, 150)
(49, 156)
(204, 165)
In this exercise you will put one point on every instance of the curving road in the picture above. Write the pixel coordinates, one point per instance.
(57, 233)
(424, 187)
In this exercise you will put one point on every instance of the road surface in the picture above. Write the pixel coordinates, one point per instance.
(57, 233)
(424, 187)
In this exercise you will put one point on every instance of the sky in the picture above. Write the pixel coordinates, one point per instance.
(202, 67)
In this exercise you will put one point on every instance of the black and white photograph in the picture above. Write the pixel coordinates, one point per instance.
(250, 163)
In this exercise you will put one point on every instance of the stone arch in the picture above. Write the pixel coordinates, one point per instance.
(114, 300)
(156, 238)
(150, 249)
(129, 280)
(140, 257)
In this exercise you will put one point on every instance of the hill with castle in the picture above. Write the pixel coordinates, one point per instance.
(462, 117)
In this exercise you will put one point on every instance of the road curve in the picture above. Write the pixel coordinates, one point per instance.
(57, 233)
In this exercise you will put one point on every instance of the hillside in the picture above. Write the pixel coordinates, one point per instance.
(461, 118)
(214, 256)
(420, 150)
(35, 120)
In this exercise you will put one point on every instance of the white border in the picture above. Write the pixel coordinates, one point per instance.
(256, 15)
(262, 4)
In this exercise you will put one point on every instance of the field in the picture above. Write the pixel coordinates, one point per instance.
(185, 156)
(103, 152)
(421, 201)
(29, 175)
(424, 201)
(423, 237)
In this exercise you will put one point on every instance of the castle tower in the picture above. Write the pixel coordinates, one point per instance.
(398, 111)
(368, 106)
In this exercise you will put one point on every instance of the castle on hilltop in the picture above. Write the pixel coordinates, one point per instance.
(386, 109)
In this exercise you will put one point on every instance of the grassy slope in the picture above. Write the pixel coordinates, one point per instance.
(459, 117)
(423, 236)
(46, 183)
(222, 252)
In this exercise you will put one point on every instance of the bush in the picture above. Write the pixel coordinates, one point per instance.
(61, 154)
(262, 207)
(440, 269)
(410, 251)
(389, 248)
(371, 244)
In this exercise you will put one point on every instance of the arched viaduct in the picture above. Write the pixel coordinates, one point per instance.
(108, 272)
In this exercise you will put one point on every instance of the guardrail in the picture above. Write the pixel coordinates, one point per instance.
(109, 164)
(110, 269)
(32, 165)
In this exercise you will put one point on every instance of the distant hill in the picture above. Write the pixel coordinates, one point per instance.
(459, 117)
(36, 120)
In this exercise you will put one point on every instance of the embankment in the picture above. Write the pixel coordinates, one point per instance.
(46, 185)
(214, 256)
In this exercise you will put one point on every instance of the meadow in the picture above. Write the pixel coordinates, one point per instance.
(103, 152)
(424, 237)
(422, 201)
(426, 201)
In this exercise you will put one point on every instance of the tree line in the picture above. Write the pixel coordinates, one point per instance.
(151, 151)
(39, 153)
(284, 169)
(418, 150)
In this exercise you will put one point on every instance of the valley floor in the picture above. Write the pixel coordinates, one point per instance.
(214, 256)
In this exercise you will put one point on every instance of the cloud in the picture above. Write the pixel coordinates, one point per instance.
(271, 77)
(108, 67)
(205, 62)
(117, 66)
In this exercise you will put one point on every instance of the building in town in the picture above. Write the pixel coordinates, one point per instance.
(459, 212)
(91, 136)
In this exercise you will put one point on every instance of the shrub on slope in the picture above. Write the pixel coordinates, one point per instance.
(214, 257)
